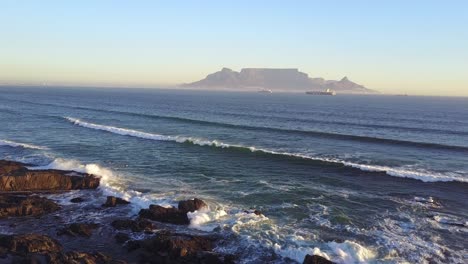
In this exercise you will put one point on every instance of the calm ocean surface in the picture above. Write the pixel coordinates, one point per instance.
(356, 178)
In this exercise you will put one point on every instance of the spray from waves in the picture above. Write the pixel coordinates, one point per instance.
(4, 142)
(425, 176)
(110, 184)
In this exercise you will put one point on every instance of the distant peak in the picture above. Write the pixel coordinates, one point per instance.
(344, 79)
(226, 69)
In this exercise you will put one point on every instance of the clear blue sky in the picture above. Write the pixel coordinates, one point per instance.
(415, 47)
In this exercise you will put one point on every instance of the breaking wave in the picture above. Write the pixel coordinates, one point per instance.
(425, 176)
(10, 143)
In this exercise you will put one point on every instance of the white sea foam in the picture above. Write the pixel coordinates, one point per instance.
(4, 142)
(203, 219)
(110, 183)
(426, 176)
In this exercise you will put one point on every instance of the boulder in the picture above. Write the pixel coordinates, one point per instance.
(78, 229)
(315, 259)
(29, 243)
(74, 257)
(167, 215)
(173, 215)
(138, 225)
(178, 248)
(113, 201)
(77, 200)
(25, 205)
(192, 205)
(121, 237)
(14, 176)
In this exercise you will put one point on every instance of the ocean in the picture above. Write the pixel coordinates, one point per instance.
(358, 179)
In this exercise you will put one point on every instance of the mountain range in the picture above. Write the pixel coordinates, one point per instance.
(275, 79)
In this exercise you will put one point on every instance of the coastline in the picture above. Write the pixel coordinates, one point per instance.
(59, 216)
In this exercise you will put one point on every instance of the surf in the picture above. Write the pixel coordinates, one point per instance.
(425, 176)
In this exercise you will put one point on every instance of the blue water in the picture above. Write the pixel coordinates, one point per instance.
(355, 178)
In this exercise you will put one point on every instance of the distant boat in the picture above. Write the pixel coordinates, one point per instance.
(265, 91)
(326, 92)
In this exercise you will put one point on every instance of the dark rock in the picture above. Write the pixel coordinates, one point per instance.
(113, 201)
(77, 200)
(191, 205)
(121, 237)
(137, 225)
(168, 248)
(29, 243)
(166, 215)
(315, 259)
(14, 176)
(24, 205)
(257, 212)
(79, 229)
(76, 257)
(173, 215)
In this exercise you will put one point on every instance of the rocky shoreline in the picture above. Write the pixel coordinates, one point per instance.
(37, 229)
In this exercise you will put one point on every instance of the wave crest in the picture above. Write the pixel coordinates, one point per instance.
(4, 142)
(425, 176)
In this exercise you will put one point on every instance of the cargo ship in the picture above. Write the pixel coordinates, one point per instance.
(326, 92)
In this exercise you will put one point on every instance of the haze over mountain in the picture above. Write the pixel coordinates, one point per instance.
(275, 79)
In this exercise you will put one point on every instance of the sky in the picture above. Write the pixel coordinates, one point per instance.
(412, 47)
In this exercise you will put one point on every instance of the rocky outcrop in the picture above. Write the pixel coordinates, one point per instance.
(78, 229)
(15, 176)
(113, 201)
(77, 200)
(177, 248)
(166, 215)
(173, 215)
(25, 205)
(29, 243)
(315, 259)
(138, 225)
(34, 248)
(192, 205)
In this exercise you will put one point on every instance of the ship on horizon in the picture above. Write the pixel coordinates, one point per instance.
(326, 92)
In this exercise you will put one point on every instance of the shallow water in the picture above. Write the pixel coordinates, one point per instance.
(354, 178)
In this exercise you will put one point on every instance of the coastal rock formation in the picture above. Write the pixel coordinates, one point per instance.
(178, 248)
(192, 205)
(138, 225)
(173, 215)
(113, 201)
(34, 248)
(15, 176)
(24, 205)
(166, 215)
(77, 200)
(29, 243)
(78, 229)
(275, 79)
(315, 259)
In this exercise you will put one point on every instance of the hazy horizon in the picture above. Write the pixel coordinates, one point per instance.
(416, 48)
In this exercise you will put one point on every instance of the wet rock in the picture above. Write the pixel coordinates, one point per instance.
(192, 205)
(79, 229)
(173, 215)
(14, 176)
(178, 248)
(166, 215)
(138, 225)
(113, 201)
(121, 237)
(315, 259)
(29, 243)
(24, 205)
(83, 257)
(77, 200)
